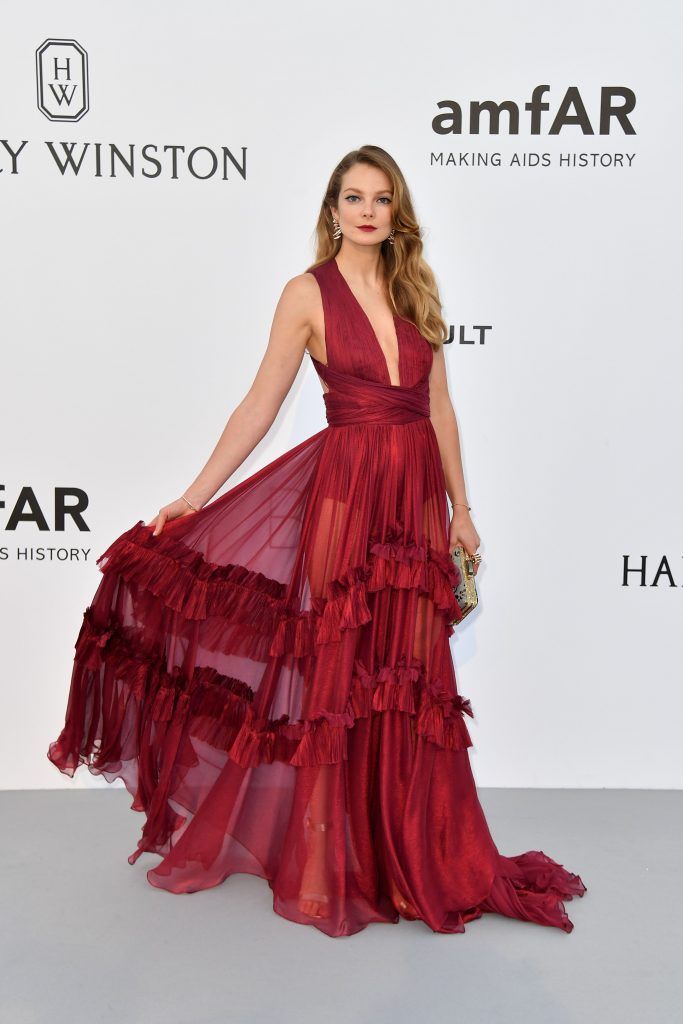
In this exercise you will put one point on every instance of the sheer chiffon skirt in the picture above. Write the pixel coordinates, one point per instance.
(271, 678)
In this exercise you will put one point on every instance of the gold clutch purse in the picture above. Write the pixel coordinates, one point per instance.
(465, 591)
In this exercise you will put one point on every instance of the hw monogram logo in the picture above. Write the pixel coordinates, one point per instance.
(62, 79)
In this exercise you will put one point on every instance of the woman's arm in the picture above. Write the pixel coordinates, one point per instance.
(255, 414)
(442, 415)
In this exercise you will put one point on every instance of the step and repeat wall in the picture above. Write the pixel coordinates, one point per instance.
(161, 171)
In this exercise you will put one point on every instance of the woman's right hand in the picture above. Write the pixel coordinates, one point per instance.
(176, 510)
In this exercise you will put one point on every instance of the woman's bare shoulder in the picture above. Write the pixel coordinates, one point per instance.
(304, 285)
(301, 296)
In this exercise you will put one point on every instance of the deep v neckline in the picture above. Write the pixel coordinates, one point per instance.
(373, 332)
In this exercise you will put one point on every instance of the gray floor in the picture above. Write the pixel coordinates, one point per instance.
(87, 939)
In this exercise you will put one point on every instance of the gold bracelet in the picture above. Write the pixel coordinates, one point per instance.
(468, 507)
(189, 503)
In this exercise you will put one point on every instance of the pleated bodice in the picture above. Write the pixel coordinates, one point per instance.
(356, 371)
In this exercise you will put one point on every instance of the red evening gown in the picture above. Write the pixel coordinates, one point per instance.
(271, 677)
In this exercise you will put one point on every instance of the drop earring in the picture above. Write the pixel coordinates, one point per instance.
(391, 237)
(337, 229)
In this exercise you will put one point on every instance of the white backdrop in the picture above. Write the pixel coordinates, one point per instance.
(136, 309)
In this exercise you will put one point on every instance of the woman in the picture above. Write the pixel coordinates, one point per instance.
(270, 672)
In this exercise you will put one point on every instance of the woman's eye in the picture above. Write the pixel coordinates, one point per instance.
(385, 199)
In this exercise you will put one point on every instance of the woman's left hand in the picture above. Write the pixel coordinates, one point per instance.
(462, 531)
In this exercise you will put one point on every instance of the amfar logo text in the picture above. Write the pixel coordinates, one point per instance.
(616, 102)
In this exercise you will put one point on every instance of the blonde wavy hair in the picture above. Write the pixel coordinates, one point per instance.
(410, 282)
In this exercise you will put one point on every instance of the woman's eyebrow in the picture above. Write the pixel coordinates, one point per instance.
(360, 190)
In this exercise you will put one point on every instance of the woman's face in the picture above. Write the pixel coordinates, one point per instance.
(365, 197)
